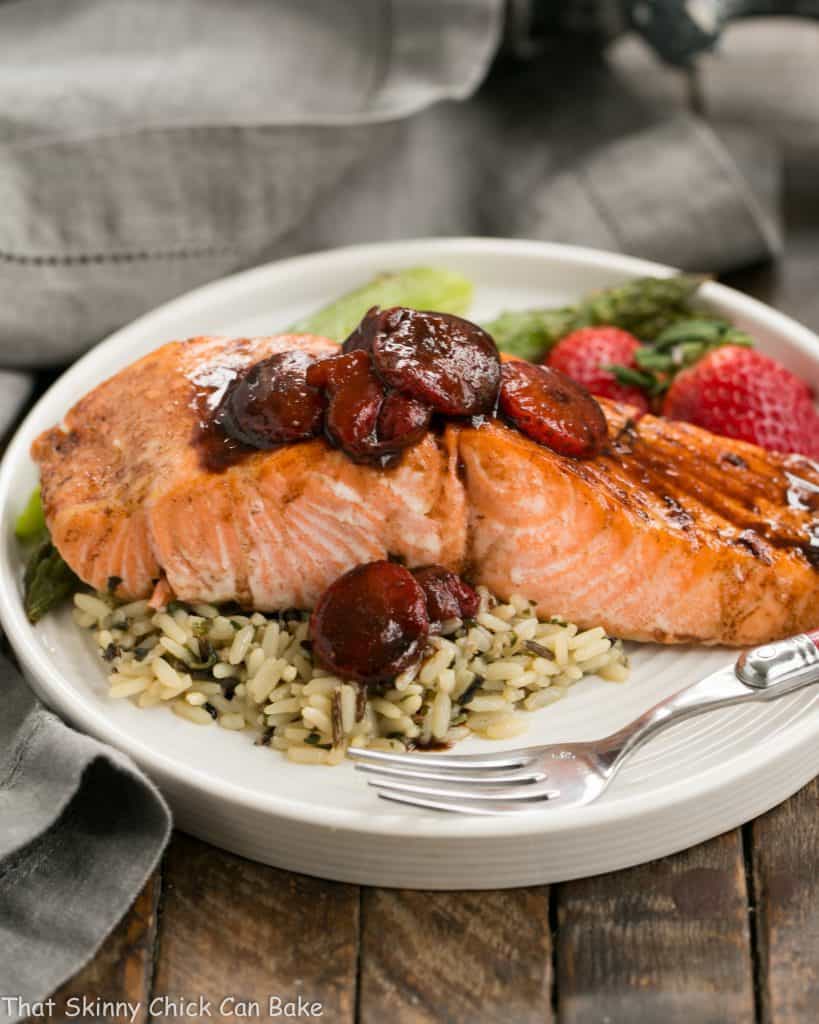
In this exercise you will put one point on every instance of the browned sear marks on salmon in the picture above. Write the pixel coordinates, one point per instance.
(668, 533)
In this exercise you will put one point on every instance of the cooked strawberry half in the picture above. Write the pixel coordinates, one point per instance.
(363, 418)
(355, 396)
(362, 336)
(450, 364)
(447, 595)
(272, 403)
(552, 409)
(371, 623)
(402, 419)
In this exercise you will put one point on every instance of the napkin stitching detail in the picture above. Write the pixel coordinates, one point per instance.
(116, 257)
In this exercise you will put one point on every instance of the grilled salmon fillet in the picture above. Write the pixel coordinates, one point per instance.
(671, 534)
(128, 495)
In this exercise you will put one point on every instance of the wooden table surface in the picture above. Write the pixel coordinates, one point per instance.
(727, 932)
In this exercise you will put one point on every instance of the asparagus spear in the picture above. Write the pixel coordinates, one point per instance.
(417, 287)
(531, 333)
(680, 345)
(645, 307)
(47, 581)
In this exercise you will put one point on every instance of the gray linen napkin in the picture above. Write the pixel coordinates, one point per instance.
(15, 389)
(82, 830)
(148, 147)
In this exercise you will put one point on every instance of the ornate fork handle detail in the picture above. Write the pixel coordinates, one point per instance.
(764, 673)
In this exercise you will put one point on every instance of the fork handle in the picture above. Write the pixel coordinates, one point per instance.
(763, 673)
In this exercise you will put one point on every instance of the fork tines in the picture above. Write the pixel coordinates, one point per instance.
(479, 784)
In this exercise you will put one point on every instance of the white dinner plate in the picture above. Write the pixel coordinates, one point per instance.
(702, 778)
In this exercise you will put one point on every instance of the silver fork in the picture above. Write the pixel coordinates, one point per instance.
(573, 774)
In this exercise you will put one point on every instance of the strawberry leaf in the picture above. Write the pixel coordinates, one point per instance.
(642, 379)
(649, 359)
(707, 332)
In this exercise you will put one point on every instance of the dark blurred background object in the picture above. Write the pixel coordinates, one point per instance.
(678, 30)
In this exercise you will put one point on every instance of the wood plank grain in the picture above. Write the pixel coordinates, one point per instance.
(785, 862)
(455, 956)
(668, 941)
(233, 928)
(122, 969)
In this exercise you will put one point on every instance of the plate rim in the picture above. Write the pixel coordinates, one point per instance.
(40, 663)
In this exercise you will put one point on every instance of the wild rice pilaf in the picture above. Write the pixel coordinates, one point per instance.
(255, 671)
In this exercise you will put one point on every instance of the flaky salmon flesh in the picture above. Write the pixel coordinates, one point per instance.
(672, 534)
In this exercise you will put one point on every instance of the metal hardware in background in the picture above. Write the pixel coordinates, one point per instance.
(679, 31)
(573, 774)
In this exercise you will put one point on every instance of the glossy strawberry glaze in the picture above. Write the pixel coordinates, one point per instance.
(371, 623)
(397, 370)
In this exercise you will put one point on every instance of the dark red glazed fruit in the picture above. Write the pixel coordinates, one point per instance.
(402, 418)
(272, 403)
(448, 363)
(362, 336)
(363, 418)
(551, 409)
(370, 624)
(355, 396)
(447, 595)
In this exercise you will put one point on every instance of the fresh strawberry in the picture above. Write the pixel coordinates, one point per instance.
(584, 354)
(741, 393)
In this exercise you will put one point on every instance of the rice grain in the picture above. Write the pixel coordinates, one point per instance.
(481, 676)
